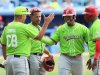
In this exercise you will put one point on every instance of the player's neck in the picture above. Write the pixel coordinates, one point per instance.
(18, 20)
(94, 20)
(71, 25)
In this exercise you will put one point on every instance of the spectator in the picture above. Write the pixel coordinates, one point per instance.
(67, 3)
(1, 24)
(97, 3)
(78, 2)
(6, 3)
(44, 4)
(54, 5)
(29, 3)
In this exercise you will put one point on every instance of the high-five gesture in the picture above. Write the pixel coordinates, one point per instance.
(48, 19)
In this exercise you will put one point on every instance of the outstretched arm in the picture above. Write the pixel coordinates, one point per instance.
(48, 41)
(47, 21)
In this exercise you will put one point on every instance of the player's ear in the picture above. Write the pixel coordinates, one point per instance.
(63, 17)
(74, 17)
(19, 16)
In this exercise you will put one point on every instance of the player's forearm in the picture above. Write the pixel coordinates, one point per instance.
(42, 32)
(47, 41)
(97, 53)
(4, 51)
(46, 51)
(47, 21)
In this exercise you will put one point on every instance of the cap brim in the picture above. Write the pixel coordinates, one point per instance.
(28, 13)
(67, 15)
(84, 13)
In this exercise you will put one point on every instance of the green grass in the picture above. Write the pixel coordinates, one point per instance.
(2, 71)
(55, 72)
(86, 71)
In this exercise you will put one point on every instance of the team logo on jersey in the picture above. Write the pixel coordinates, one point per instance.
(67, 38)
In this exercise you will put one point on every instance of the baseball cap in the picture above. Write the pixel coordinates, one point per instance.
(34, 9)
(91, 10)
(21, 11)
(69, 11)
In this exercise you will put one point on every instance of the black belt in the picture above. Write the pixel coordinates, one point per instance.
(17, 56)
(39, 54)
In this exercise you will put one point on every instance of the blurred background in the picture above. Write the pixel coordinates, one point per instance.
(47, 6)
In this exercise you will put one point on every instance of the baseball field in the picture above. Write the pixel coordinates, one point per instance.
(55, 72)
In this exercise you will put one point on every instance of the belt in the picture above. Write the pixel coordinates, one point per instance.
(18, 56)
(71, 56)
(39, 54)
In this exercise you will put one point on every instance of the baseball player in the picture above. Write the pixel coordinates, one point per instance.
(16, 44)
(71, 36)
(38, 48)
(91, 15)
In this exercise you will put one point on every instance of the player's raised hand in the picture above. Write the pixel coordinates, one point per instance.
(48, 19)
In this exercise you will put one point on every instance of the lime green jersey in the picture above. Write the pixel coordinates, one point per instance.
(71, 38)
(94, 34)
(0, 40)
(16, 38)
(37, 46)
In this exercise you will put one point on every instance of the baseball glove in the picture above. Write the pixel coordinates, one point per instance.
(48, 64)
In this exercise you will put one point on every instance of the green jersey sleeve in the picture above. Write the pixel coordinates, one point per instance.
(96, 33)
(56, 35)
(47, 41)
(0, 40)
(54, 38)
(86, 33)
(30, 32)
(3, 37)
(95, 30)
